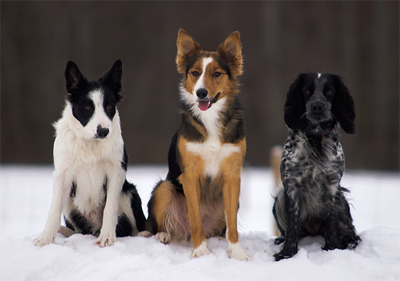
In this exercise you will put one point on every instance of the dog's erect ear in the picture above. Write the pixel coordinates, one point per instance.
(112, 78)
(74, 78)
(231, 51)
(187, 47)
(294, 106)
(343, 107)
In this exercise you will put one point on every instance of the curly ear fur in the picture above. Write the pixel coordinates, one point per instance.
(343, 107)
(294, 107)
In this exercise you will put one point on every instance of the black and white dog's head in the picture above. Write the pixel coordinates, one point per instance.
(316, 102)
(93, 103)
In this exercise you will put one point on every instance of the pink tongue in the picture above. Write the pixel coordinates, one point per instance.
(203, 105)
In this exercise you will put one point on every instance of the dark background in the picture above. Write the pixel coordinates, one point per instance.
(357, 40)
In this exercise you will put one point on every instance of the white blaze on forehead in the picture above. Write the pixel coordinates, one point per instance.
(99, 115)
(319, 75)
(97, 97)
(200, 82)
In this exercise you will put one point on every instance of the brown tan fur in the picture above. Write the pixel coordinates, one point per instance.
(275, 160)
(200, 197)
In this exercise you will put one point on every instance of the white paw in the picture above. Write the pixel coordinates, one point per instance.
(163, 237)
(106, 238)
(145, 234)
(236, 251)
(45, 238)
(200, 250)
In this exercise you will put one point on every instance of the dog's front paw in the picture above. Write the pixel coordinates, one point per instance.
(105, 240)
(145, 233)
(285, 254)
(279, 240)
(236, 251)
(44, 239)
(163, 237)
(200, 251)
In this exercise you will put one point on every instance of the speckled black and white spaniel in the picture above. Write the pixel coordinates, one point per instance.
(311, 200)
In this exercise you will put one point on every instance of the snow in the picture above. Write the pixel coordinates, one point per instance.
(25, 196)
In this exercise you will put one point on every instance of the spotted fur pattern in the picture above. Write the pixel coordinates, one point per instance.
(311, 200)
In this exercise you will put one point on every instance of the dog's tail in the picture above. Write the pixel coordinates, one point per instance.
(275, 161)
(276, 155)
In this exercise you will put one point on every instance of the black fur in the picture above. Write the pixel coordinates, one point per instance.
(312, 202)
(174, 170)
(125, 160)
(136, 205)
(77, 222)
(234, 123)
(78, 88)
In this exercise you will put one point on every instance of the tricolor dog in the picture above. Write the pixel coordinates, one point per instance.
(90, 164)
(200, 196)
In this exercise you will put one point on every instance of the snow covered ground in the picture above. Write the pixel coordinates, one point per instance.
(25, 196)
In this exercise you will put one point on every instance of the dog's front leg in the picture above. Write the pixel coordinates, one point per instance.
(290, 246)
(61, 189)
(191, 187)
(230, 193)
(332, 228)
(116, 178)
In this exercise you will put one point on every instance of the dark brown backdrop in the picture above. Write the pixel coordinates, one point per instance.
(357, 40)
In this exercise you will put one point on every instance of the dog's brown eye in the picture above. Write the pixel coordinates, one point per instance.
(195, 73)
(108, 108)
(89, 108)
(307, 92)
(216, 74)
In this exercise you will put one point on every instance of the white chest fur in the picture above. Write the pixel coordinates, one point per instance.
(90, 193)
(212, 152)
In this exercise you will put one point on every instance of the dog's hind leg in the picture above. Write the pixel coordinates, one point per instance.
(167, 213)
(131, 220)
(66, 231)
(347, 232)
(278, 210)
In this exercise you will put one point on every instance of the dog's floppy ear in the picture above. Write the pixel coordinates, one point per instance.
(112, 78)
(231, 51)
(294, 106)
(186, 48)
(343, 107)
(73, 78)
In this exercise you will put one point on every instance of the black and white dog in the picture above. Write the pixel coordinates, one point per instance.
(311, 201)
(90, 164)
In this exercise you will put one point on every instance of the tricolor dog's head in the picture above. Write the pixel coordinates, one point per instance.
(93, 103)
(209, 77)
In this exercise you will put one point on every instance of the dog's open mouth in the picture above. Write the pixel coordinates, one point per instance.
(206, 104)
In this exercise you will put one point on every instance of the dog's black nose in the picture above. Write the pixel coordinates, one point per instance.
(202, 93)
(317, 107)
(102, 132)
